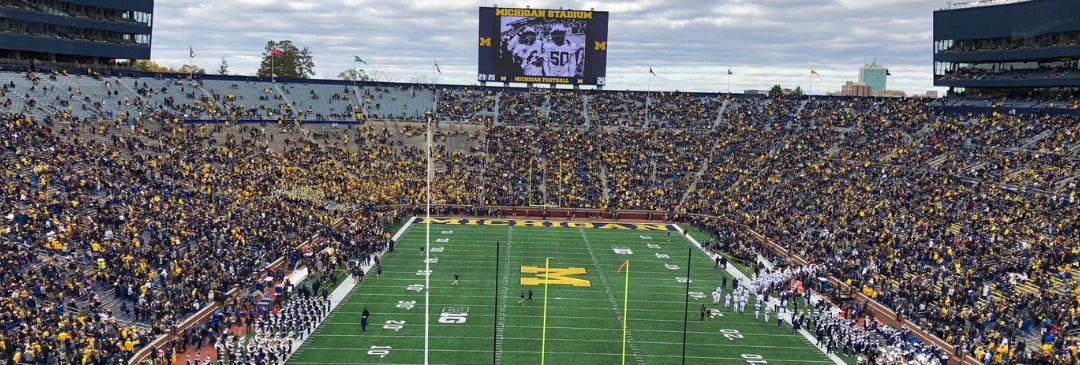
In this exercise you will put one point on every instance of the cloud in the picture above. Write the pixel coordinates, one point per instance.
(694, 42)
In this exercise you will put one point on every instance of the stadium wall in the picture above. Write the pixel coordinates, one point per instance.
(63, 46)
(1010, 55)
(42, 67)
(1018, 20)
(61, 43)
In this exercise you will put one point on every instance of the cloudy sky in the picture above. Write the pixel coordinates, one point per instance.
(689, 44)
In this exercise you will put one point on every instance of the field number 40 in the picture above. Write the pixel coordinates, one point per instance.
(394, 325)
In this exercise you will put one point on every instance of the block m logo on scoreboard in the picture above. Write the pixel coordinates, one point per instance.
(600, 46)
(485, 41)
(554, 276)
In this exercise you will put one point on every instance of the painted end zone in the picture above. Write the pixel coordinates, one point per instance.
(548, 224)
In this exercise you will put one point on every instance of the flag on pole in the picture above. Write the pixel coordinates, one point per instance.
(652, 73)
(357, 59)
(276, 52)
(729, 71)
(190, 52)
(814, 73)
(623, 266)
(437, 67)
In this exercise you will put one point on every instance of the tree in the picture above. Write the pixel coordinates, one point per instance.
(223, 68)
(353, 74)
(798, 91)
(190, 69)
(289, 61)
(423, 79)
(382, 76)
(150, 66)
(776, 91)
(362, 75)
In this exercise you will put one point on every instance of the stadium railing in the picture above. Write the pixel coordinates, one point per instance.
(541, 212)
(989, 110)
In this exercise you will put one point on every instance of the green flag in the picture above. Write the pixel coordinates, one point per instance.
(359, 60)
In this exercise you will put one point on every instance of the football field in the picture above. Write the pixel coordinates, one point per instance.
(576, 315)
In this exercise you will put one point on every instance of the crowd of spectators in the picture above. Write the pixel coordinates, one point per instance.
(524, 107)
(566, 108)
(468, 105)
(914, 208)
(617, 109)
(876, 207)
(109, 226)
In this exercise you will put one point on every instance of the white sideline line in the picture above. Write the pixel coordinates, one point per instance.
(731, 270)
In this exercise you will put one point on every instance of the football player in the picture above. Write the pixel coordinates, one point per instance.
(562, 56)
(527, 52)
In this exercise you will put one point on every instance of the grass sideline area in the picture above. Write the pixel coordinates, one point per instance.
(703, 237)
(584, 311)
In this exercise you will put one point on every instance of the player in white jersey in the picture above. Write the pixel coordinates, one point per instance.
(528, 53)
(562, 56)
(757, 310)
(727, 301)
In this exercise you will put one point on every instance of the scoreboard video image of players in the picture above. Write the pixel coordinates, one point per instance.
(542, 47)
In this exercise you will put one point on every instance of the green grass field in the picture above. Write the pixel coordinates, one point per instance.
(584, 323)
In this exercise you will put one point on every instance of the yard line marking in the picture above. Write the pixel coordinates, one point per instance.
(611, 298)
(505, 289)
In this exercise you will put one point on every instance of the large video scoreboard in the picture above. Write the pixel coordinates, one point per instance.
(545, 46)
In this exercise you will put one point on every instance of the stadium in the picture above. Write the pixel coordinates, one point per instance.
(172, 218)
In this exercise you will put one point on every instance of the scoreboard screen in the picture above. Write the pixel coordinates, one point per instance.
(544, 46)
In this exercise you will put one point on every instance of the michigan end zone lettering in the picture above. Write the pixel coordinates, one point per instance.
(549, 224)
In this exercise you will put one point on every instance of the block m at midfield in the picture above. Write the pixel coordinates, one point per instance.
(554, 276)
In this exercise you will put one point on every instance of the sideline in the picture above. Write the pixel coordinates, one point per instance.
(735, 273)
(342, 291)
